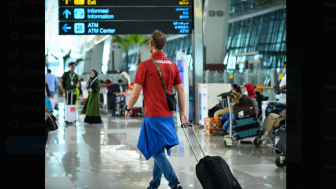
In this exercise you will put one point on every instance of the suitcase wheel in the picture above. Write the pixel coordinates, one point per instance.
(257, 141)
(228, 142)
(280, 163)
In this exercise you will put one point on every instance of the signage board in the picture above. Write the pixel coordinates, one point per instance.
(108, 17)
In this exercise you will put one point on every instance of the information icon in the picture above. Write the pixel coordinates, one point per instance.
(79, 28)
(79, 13)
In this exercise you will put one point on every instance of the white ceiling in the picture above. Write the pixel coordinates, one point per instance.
(53, 41)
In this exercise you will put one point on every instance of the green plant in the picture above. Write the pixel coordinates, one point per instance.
(124, 44)
(79, 60)
(141, 41)
(65, 57)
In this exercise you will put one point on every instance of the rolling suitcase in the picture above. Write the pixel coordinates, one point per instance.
(119, 105)
(70, 110)
(244, 128)
(279, 142)
(212, 172)
(136, 111)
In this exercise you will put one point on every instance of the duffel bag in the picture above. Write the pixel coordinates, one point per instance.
(247, 107)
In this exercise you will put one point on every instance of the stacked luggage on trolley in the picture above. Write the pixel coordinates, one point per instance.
(246, 123)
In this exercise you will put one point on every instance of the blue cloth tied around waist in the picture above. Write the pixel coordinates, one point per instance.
(156, 133)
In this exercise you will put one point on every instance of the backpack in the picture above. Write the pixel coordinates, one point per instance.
(211, 112)
(274, 107)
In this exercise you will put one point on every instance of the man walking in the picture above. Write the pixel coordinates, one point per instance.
(158, 129)
(52, 82)
(70, 81)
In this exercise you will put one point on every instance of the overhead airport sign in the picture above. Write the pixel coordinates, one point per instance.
(125, 13)
(77, 17)
(125, 2)
(130, 27)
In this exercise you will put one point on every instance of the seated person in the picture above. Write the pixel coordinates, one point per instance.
(272, 120)
(259, 90)
(226, 127)
(236, 95)
(249, 90)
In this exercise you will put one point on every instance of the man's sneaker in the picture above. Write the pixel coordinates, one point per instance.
(266, 144)
(264, 137)
(177, 187)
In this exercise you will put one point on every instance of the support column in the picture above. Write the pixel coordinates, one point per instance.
(116, 51)
(97, 57)
(216, 20)
(87, 62)
(197, 42)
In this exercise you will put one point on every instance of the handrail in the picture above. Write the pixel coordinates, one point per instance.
(264, 87)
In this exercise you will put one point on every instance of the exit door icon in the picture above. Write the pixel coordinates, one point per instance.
(79, 2)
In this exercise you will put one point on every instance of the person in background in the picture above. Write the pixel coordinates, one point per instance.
(80, 87)
(52, 82)
(235, 96)
(125, 82)
(158, 129)
(48, 95)
(282, 84)
(272, 120)
(259, 90)
(236, 88)
(70, 81)
(249, 90)
(91, 108)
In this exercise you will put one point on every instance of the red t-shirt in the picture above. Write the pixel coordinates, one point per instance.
(148, 76)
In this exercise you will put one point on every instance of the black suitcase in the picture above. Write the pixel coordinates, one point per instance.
(247, 107)
(279, 140)
(212, 172)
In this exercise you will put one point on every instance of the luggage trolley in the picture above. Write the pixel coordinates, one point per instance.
(238, 125)
(279, 145)
(70, 109)
(103, 90)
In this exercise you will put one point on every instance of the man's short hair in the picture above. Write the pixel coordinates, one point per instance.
(285, 63)
(158, 39)
(49, 71)
(72, 63)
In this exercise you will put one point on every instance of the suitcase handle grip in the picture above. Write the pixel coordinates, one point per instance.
(186, 124)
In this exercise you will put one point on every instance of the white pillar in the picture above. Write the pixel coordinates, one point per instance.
(215, 29)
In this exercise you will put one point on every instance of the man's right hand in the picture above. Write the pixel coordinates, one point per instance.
(183, 118)
(63, 90)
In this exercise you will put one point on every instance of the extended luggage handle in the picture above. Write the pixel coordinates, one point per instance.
(71, 92)
(190, 125)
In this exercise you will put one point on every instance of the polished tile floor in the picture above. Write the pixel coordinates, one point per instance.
(102, 156)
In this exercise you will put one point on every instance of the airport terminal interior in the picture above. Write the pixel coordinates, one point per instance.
(236, 42)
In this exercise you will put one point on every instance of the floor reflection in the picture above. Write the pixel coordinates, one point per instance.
(106, 156)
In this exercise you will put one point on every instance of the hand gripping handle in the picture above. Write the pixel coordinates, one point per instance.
(190, 125)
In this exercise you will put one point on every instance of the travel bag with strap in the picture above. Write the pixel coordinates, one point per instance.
(171, 101)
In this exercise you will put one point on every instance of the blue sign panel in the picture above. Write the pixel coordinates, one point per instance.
(125, 17)
(200, 106)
